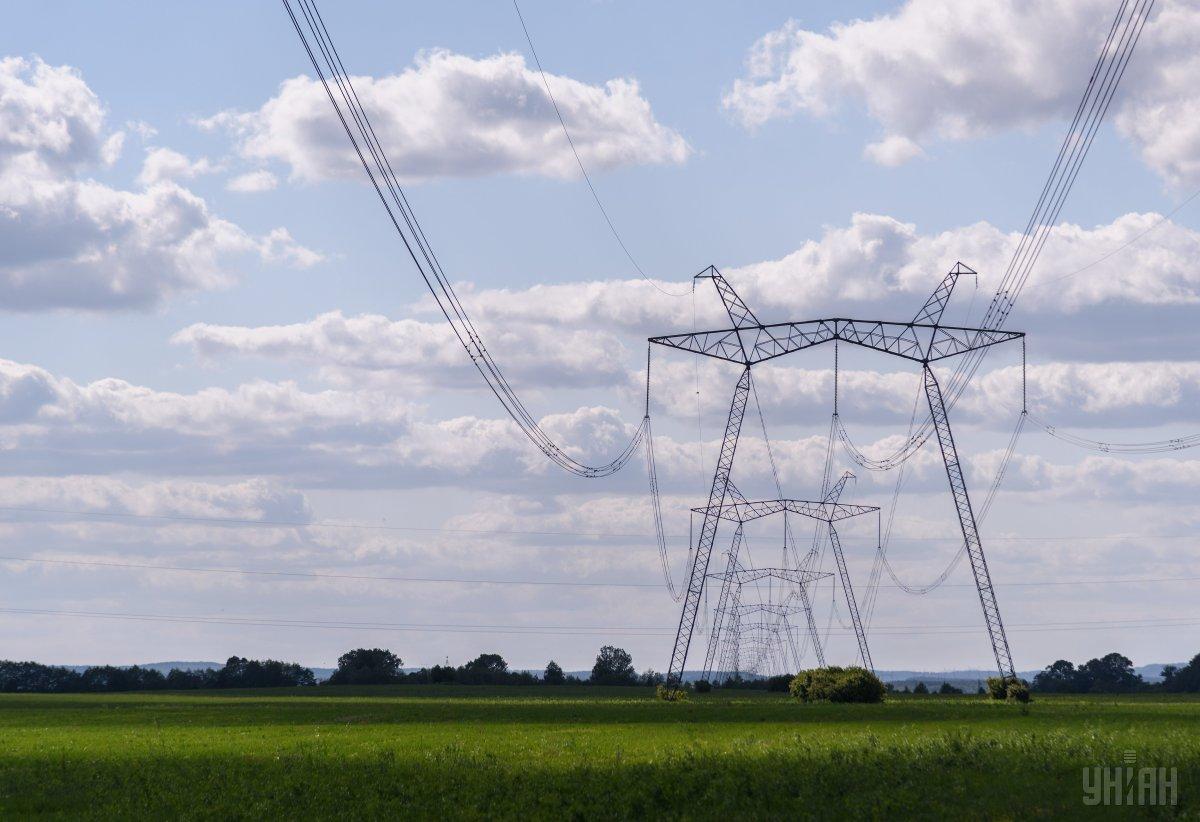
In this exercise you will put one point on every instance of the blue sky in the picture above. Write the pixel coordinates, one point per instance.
(206, 315)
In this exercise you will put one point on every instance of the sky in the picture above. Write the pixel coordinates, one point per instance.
(216, 356)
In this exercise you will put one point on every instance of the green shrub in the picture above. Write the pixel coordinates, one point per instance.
(837, 685)
(1013, 690)
(702, 686)
(779, 684)
(997, 687)
(1018, 691)
(666, 694)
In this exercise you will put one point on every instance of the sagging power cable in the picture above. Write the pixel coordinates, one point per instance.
(587, 178)
(331, 71)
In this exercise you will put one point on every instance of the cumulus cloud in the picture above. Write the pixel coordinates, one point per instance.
(879, 261)
(455, 116)
(164, 164)
(253, 181)
(338, 438)
(71, 242)
(893, 151)
(250, 499)
(373, 348)
(957, 69)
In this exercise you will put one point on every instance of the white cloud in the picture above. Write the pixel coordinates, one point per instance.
(50, 113)
(253, 181)
(251, 499)
(454, 116)
(880, 262)
(894, 150)
(373, 348)
(957, 69)
(71, 242)
(166, 165)
(335, 438)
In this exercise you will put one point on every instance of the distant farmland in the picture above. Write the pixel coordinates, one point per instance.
(573, 752)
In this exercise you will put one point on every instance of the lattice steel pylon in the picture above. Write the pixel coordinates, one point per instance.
(827, 511)
(749, 342)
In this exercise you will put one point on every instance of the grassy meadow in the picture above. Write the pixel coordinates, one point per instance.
(575, 753)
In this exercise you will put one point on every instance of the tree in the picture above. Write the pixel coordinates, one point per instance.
(921, 688)
(553, 674)
(1185, 679)
(614, 666)
(267, 673)
(651, 677)
(947, 688)
(1111, 673)
(367, 666)
(1061, 677)
(485, 669)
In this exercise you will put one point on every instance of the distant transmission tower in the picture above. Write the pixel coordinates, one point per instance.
(730, 609)
(749, 342)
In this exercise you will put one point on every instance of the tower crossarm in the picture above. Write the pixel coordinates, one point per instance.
(770, 608)
(919, 342)
(757, 509)
(743, 576)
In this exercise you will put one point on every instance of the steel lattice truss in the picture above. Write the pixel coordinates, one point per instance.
(749, 342)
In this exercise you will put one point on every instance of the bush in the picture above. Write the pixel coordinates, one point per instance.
(997, 687)
(703, 686)
(1013, 690)
(1018, 691)
(779, 684)
(837, 685)
(666, 694)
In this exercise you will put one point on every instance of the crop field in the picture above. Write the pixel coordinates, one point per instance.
(417, 752)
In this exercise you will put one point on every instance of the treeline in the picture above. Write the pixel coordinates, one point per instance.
(362, 666)
(378, 666)
(1113, 674)
(31, 677)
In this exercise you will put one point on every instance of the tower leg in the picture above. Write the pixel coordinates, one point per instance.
(806, 601)
(731, 653)
(970, 532)
(851, 603)
(708, 531)
(720, 614)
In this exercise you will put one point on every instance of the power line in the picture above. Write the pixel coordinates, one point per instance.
(264, 523)
(1157, 224)
(568, 630)
(276, 622)
(579, 160)
(322, 575)
(522, 582)
(383, 177)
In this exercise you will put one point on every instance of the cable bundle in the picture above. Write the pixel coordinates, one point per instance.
(383, 178)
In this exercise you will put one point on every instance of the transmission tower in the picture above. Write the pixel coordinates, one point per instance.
(749, 342)
(827, 511)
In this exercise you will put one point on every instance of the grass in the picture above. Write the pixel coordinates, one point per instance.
(582, 753)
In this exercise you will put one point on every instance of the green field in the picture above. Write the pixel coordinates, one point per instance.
(454, 752)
